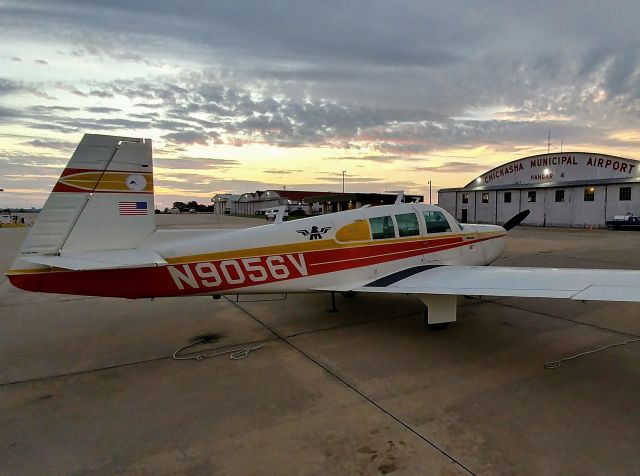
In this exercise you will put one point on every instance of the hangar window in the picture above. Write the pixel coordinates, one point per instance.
(485, 197)
(507, 197)
(381, 228)
(465, 198)
(436, 222)
(589, 194)
(559, 196)
(531, 197)
(408, 224)
(625, 193)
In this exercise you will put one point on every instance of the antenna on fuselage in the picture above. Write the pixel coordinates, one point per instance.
(280, 215)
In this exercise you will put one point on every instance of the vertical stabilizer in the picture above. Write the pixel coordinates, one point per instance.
(102, 201)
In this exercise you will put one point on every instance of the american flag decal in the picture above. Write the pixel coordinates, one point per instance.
(132, 208)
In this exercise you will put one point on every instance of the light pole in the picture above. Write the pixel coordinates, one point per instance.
(429, 192)
(343, 172)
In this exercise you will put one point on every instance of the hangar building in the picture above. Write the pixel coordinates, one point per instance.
(575, 189)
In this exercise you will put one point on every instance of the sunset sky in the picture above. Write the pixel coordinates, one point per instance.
(246, 95)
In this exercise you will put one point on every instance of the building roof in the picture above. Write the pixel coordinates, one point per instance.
(383, 198)
(576, 183)
(293, 195)
(565, 169)
(225, 197)
(300, 195)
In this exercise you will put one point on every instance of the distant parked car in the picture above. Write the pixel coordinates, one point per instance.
(297, 213)
(272, 214)
(624, 222)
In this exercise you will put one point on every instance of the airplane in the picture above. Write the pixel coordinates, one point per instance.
(96, 236)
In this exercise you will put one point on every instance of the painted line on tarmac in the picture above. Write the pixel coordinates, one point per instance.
(354, 389)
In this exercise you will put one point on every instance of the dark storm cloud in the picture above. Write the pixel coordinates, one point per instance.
(407, 77)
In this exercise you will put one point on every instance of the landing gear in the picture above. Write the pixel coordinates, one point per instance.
(440, 326)
(333, 303)
(349, 294)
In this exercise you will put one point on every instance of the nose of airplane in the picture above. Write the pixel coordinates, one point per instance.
(496, 246)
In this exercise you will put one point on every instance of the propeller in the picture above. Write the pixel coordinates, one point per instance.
(516, 220)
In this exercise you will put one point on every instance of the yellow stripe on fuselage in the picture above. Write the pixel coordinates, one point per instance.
(318, 245)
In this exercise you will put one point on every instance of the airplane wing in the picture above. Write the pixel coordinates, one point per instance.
(567, 283)
(99, 259)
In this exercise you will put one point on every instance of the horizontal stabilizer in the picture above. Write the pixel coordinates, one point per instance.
(99, 259)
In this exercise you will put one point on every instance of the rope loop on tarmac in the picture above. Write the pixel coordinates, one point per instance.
(235, 354)
(557, 363)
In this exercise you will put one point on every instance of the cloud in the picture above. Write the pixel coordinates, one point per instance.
(187, 137)
(281, 171)
(103, 110)
(40, 62)
(370, 158)
(196, 163)
(8, 86)
(49, 144)
(453, 167)
(337, 177)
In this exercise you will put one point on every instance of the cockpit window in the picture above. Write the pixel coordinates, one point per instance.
(408, 224)
(381, 228)
(436, 222)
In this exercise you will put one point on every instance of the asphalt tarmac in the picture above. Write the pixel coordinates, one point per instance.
(88, 385)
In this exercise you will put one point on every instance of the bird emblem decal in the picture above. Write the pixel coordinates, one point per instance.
(315, 233)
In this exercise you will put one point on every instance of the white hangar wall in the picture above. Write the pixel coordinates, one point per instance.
(576, 189)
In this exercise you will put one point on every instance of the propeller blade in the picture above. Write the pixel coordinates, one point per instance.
(516, 220)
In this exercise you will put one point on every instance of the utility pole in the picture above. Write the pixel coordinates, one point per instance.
(549, 142)
(429, 192)
(343, 172)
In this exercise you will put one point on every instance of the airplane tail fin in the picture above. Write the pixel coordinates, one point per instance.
(102, 201)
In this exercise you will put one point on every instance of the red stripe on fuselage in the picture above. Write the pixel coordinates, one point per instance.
(158, 281)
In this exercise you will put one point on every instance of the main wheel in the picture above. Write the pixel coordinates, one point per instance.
(440, 326)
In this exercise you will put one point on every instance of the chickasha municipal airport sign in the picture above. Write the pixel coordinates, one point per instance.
(565, 167)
